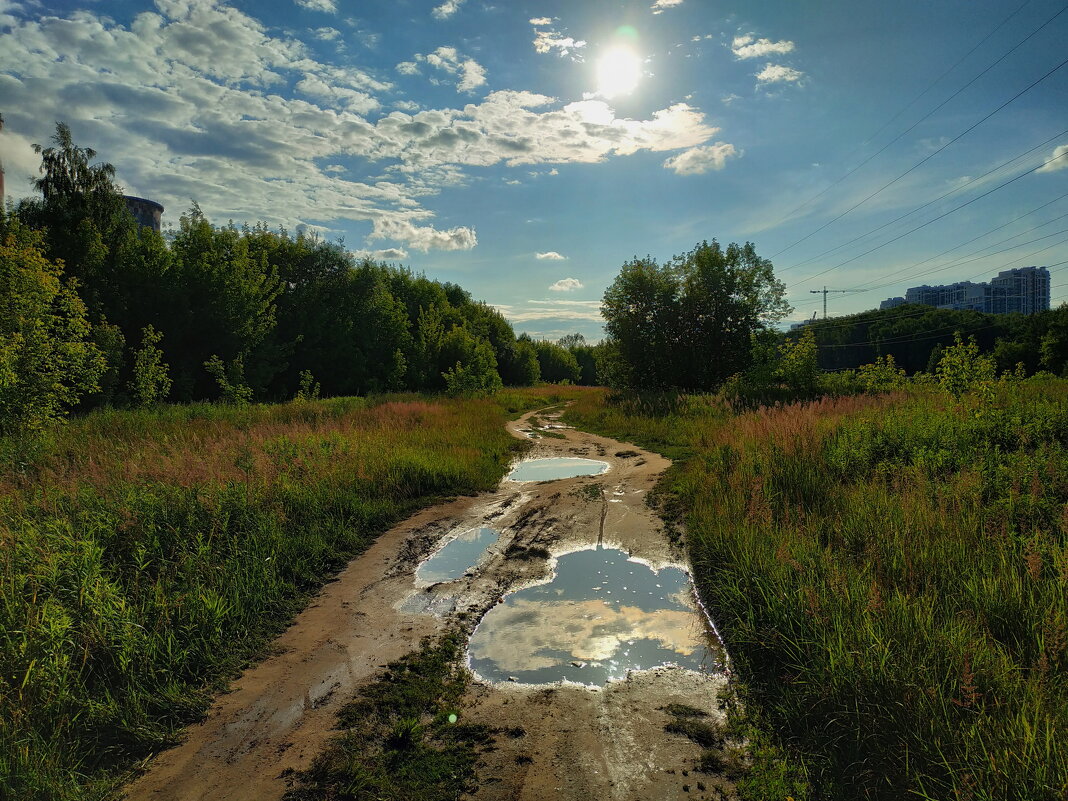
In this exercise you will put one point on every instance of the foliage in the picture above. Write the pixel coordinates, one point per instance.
(269, 305)
(151, 379)
(146, 555)
(48, 360)
(882, 375)
(231, 379)
(961, 369)
(888, 573)
(309, 388)
(689, 323)
(556, 364)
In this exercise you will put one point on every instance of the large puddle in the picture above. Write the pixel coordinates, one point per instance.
(556, 468)
(457, 556)
(602, 615)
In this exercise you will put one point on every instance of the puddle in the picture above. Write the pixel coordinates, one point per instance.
(602, 615)
(557, 467)
(457, 556)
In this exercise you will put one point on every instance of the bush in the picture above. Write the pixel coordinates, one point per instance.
(47, 358)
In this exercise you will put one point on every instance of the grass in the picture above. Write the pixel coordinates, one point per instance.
(890, 574)
(403, 736)
(146, 556)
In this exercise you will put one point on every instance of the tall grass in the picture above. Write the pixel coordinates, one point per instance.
(891, 576)
(146, 556)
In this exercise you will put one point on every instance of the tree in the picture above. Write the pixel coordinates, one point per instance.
(641, 311)
(47, 358)
(556, 365)
(690, 323)
(151, 376)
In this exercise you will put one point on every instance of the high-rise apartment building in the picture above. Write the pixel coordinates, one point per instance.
(1023, 289)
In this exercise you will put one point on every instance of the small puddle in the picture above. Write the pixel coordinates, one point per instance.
(601, 616)
(457, 556)
(555, 468)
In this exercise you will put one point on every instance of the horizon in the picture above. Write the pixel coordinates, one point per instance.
(526, 152)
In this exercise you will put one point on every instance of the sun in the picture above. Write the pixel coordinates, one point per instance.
(619, 70)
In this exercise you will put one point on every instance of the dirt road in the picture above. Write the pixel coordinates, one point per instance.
(578, 742)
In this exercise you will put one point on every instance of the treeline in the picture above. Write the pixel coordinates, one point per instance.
(704, 322)
(916, 336)
(102, 311)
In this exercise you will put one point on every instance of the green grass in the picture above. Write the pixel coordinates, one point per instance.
(403, 736)
(146, 556)
(891, 578)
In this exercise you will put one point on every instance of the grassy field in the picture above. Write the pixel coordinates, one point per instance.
(891, 577)
(147, 556)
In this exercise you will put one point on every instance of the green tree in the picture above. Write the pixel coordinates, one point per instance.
(963, 369)
(474, 366)
(556, 364)
(797, 367)
(151, 380)
(882, 375)
(690, 323)
(47, 358)
(522, 368)
(230, 379)
(223, 296)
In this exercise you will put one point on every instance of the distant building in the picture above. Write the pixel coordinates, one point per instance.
(1023, 289)
(147, 212)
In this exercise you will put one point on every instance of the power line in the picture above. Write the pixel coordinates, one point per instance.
(918, 313)
(928, 203)
(929, 113)
(965, 259)
(930, 156)
(940, 216)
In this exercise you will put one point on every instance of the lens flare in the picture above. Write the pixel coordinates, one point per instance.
(618, 71)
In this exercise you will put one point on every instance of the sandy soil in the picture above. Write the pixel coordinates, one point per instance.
(576, 743)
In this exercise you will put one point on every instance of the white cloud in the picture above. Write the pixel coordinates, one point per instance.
(588, 310)
(566, 285)
(551, 255)
(748, 47)
(776, 73)
(327, 34)
(541, 21)
(406, 105)
(1058, 160)
(215, 121)
(389, 254)
(547, 40)
(699, 160)
(340, 96)
(728, 99)
(447, 9)
(326, 6)
(659, 6)
(423, 238)
(470, 73)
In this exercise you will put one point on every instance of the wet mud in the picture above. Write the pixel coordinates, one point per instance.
(624, 657)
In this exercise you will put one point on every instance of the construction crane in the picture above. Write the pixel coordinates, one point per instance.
(824, 292)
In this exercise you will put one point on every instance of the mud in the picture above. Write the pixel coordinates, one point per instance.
(567, 742)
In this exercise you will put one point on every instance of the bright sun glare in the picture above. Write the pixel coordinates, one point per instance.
(618, 71)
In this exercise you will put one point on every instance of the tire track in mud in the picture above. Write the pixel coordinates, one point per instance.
(576, 742)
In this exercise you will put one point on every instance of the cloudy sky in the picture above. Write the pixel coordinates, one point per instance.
(527, 149)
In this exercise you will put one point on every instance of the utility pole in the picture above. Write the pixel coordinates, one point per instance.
(824, 292)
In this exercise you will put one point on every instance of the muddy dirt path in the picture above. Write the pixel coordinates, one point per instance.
(576, 742)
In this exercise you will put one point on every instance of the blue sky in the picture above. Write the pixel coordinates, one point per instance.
(526, 150)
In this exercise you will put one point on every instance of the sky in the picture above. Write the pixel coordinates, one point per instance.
(528, 150)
